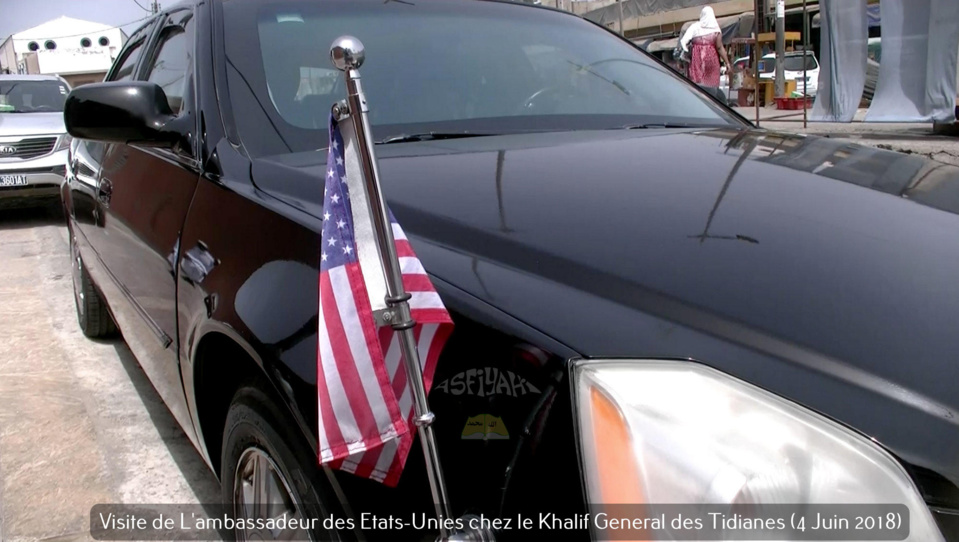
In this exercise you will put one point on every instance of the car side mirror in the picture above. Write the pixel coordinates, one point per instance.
(123, 112)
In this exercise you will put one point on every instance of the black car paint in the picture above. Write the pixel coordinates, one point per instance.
(735, 248)
(740, 259)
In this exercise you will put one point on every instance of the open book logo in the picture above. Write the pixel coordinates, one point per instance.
(485, 427)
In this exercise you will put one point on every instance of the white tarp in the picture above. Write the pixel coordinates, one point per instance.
(842, 73)
(917, 74)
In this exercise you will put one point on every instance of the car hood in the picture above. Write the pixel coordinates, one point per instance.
(18, 124)
(821, 270)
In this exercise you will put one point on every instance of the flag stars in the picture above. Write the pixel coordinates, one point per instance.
(339, 161)
(332, 241)
(340, 225)
(347, 250)
(323, 257)
(335, 198)
(326, 216)
(330, 173)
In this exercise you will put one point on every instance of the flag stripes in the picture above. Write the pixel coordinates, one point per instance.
(365, 406)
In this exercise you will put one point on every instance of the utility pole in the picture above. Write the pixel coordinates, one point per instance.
(622, 31)
(780, 48)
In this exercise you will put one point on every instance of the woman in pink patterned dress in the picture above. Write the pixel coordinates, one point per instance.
(706, 39)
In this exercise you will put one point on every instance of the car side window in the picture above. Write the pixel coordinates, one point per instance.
(125, 66)
(124, 71)
(173, 60)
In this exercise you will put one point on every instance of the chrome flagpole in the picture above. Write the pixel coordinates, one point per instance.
(347, 54)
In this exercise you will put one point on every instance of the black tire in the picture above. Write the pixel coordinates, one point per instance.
(255, 425)
(92, 314)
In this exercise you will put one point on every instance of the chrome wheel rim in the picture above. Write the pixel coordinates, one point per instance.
(76, 268)
(261, 492)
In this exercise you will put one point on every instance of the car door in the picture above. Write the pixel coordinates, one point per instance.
(88, 155)
(145, 193)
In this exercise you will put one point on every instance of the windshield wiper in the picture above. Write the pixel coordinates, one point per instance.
(429, 136)
(664, 125)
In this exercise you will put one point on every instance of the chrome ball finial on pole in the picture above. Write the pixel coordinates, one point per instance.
(347, 53)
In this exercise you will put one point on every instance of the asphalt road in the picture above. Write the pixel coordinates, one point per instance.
(80, 424)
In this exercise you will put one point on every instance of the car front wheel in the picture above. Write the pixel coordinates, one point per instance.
(266, 473)
(92, 314)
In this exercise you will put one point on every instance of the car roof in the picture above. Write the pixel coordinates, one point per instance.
(790, 53)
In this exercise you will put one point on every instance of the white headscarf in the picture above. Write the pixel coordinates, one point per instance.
(707, 25)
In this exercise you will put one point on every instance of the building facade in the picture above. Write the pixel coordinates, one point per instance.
(79, 51)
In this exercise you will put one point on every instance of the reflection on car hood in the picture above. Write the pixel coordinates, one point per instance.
(16, 124)
(828, 271)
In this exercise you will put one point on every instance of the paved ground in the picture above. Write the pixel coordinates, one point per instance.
(908, 138)
(79, 422)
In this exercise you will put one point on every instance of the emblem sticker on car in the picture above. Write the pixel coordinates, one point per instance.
(486, 382)
(7, 150)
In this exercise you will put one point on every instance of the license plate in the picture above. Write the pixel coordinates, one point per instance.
(13, 180)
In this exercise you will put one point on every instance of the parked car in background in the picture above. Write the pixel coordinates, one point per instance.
(654, 300)
(33, 141)
(793, 68)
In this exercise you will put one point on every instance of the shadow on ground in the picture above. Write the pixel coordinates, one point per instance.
(21, 218)
(188, 459)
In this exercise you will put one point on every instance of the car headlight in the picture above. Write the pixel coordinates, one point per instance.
(657, 432)
(63, 142)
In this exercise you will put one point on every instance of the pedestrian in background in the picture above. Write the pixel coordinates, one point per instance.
(706, 39)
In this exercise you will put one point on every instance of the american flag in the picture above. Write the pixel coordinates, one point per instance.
(365, 406)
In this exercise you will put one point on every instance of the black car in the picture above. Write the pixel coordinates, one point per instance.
(654, 301)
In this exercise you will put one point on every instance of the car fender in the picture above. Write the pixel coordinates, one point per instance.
(241, 268)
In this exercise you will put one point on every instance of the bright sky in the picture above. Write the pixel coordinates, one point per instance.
(23, 14)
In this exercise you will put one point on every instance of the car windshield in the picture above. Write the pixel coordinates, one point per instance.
(443, 66)
(793, 63)
(25, 96)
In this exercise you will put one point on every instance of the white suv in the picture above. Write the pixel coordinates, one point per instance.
(33, 140)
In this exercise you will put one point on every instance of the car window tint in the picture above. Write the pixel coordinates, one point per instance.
(463, 82)
(315, 80)
(469, 67)
(173, 62)
(22, 96)
(125, 68)
(795, 63)
(484, 67)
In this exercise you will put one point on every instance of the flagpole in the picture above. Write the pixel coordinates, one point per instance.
(347, 54)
